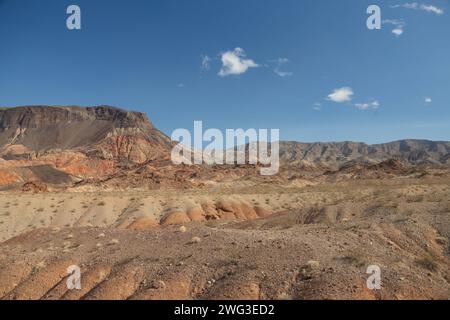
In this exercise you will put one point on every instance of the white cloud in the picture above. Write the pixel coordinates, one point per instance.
(407, 5)
(181, 85)
(280, 62)
(362, 106)
(433, 9)
(346, 94)
(368, 105)
(341, 95)
(282, 73)
(375, 104)
(399, 26)
(206, 62)
(234, 63)
(317, 106)
(428, 100)
(417, 6)
(397, 32)
(394, 22)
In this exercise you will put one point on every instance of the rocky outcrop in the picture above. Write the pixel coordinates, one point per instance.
(224, 209)
(35, 187)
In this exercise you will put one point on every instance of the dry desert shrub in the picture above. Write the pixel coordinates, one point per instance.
(354, 258)
(427, 263)
(417, 198)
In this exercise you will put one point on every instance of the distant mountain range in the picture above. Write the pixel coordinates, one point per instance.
(338, 153)
(68, 143)
(121, 134)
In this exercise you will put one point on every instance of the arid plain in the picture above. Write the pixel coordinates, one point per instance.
(95, 187)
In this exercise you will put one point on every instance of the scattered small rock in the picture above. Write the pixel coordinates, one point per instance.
(313, 265)
(307, 270)
(196, 240)
(113, 242)
(442, 241)
(158, 284)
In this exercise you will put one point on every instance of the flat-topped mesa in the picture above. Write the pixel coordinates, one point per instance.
(39, 116)
(106, 131)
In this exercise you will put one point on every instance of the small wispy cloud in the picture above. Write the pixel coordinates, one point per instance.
(368, 105)
(428, 100)
(433, 9)
(205, 62)
(407, 5)
(340, 95)
(397, 32)
(399, 26)
(181, 85)
(317, 106)
(375, 104)
(235, 63)
(279, 65)
(416, 6)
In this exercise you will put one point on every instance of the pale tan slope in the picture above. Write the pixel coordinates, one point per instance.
(25, 212)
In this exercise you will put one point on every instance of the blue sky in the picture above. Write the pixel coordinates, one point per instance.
(310, 68)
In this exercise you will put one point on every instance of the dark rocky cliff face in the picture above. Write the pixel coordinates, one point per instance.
(41, 116)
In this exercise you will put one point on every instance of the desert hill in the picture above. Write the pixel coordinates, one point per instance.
(109, 131)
